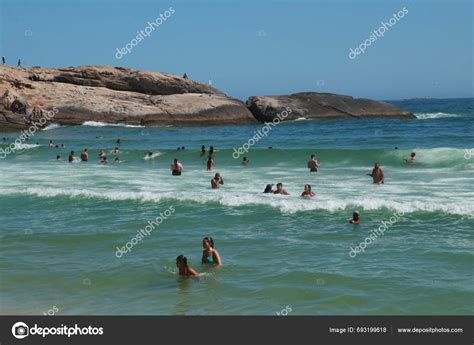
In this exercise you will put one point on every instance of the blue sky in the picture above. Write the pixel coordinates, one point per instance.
(257, 47)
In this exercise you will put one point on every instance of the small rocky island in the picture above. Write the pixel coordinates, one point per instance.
(119, 95)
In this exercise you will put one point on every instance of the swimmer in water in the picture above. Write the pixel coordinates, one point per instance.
(176, 168)
(203, 150)
(355, 218)
(211, 151)
(101, 154)
(245, 161)
(210, 163)
(103, 160)
(58, 159)
(307, 193)
(84, 156)
(62, 146)
(210, 256)
(184, 269)
(115, 151)
(268, 189)
(217, 181)
(118, 141)
(51, 144)
(117, 160)
(149, 154)
(412, 158)
(313, 164)
(377, 174)
(280, 189)
(71, 157)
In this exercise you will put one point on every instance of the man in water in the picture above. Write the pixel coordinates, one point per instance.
(217, 181)
(412, 158)
(176, 168)
(280, 189)
(377, 174)
(51, 144)
(203, 150)
(84, 156)
(245, 161)
(313, 164)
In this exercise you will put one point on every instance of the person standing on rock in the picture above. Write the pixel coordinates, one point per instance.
(377, 174)
(3, 60)
(176, 168)
(19, 63)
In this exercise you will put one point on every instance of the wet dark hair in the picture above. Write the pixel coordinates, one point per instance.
(279, 184)
(72, 152)
(309, 186)
(312, 156)
(356, 215)
(245, 158)
(413, 154)
(183, 259)
(209, 159)
(268, 188)
(210, 240)
(58, 157)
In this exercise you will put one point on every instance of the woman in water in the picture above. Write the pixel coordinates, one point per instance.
(269, 188)
(203, 150)
(245, 161)
(217, 181)
(210, 255)
(355, 218)
(211, 151)
(184, 269)
(210, 163)
(307, 193)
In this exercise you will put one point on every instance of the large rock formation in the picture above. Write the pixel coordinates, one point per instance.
(113, 95)
(123, 95)
(312, 105)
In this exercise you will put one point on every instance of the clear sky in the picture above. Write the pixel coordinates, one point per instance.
(257, 47)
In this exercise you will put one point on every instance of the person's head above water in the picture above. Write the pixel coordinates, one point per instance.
(181, 261)
(307, 188)
(58, 157)
(313, 156)
(268, 188)
(203, 148)
(217, 176)
(377, 165)
(356, 215)
(175, 160)
(413, 154)
(207, 242)
(279, 185)
(72, 153)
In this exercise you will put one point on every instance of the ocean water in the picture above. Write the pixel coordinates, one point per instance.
(61, 223)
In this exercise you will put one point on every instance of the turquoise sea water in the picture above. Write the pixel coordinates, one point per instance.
(61, 223)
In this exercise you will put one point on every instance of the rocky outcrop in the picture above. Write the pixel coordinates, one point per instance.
(123, 95)
(112, 95)
(312, 105)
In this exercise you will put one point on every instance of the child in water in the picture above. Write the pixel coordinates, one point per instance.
(355, 218)
(184, 269)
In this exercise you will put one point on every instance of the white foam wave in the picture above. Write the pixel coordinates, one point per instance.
(104, 124)
(439, 115)
(25, 146)
(51, 126)
(286, 204)
(155, 154)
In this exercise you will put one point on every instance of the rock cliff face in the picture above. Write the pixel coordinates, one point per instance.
(123, 95)
(312, 105)
(113, 95)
